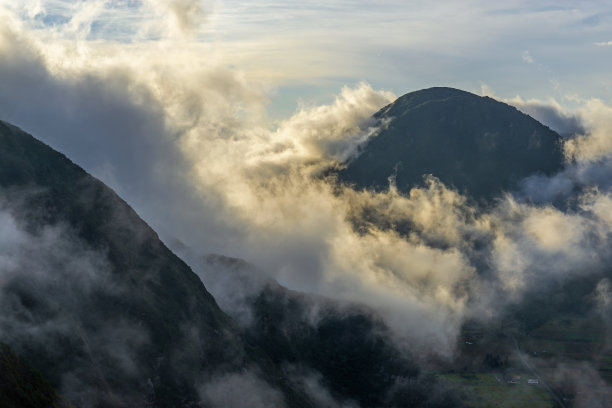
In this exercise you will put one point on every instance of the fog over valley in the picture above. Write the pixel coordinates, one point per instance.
(358, 248)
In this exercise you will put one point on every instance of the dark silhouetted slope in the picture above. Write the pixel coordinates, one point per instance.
(348, 345)
(21, 386)
(108, 314)
(475, 144)
(348, 348)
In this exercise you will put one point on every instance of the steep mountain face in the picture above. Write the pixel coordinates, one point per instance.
(335, 351)
(93, 299)
(475, 144)
(21, 386)
(106, 315)
(348, 346)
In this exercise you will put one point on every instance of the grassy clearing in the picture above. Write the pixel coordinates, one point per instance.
(572, 329)
(604, 364)
(489, 390)
(578, 338)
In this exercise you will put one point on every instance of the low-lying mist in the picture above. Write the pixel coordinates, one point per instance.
(187, 143)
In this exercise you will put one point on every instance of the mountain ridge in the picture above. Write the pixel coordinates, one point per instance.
(126, 322)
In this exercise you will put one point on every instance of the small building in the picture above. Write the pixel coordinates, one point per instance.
(515, 379)
(533, 381)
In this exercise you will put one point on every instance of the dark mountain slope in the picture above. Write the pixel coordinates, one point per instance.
(23, 387)
(348, 345)
(476, 144)
(93, 299)
(346, 348)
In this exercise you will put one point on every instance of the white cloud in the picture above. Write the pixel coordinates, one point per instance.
(185, 16)
(328, 44)
(186, 140)
(551, 113)
(35, 9)
(240, 390)
(194, 139)
(597, 143)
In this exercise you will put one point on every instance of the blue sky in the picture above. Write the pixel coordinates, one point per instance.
(304, 52)
(535, 49)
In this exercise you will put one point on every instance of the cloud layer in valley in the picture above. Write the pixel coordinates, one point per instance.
(185, 138)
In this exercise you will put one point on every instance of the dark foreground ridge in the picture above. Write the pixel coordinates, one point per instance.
(475, 144)
(108, 315)
(97, 309)
(21, 386)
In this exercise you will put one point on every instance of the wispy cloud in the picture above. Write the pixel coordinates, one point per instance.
(182, 133)
(328, 44)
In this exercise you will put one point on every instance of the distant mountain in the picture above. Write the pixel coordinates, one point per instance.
(93, 299)
(475, 144)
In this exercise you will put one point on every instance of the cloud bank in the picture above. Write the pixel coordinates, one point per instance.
(186, 140)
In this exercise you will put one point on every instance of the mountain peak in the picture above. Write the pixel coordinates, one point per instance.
(474, 144)
(416, 98)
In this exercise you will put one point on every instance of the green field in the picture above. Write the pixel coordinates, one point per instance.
(604, 363)
(571, 352)
(573, 338)
(489, 390)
